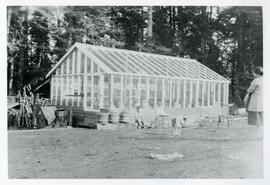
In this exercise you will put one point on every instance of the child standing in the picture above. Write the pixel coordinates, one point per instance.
(139, 118)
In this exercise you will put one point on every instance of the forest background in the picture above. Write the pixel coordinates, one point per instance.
(228, 40)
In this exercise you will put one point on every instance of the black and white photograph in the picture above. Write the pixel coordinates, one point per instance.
(134, 91)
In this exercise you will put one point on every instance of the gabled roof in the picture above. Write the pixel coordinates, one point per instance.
(124, 61)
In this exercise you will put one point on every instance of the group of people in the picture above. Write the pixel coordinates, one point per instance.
(161, 115)
(253, 102)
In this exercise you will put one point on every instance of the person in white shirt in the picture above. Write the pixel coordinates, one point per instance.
(254, 100)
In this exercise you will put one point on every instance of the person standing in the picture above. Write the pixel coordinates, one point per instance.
(254, 101)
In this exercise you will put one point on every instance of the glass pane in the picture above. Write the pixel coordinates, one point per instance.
(75, 86)
(95, 68)
(200, 93)
(211, 94)
(116, 91)
(143, 91)
(64, 85)
(135, 91)
(222, 94)
(59, 68)
(69, 91)
(159, 91)
(205, 93)
(167, 93)
(88, 65)
(187, 93)
(194, 94)
(88, 91)
(216, 97)
(65, 67)
(106, 93)
(82, 63)
(53, 91)
(152, 90)
(96, 92)
(70, 59)
(81, 91)
(181, 94)
(126, 95)
(76, 62)
(174, 93)
(58, 90)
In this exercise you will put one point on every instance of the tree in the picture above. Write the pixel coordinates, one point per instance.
(241, 32)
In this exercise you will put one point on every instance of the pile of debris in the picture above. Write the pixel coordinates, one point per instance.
(28, 111)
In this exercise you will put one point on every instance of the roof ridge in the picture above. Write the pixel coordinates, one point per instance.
(138, 52)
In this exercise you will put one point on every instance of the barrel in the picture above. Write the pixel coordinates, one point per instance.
(124, 117)
(114, 117)
(103, 118)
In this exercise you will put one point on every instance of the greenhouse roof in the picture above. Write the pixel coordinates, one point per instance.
(123, 61)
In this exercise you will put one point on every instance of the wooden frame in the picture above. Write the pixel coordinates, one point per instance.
(153, 66)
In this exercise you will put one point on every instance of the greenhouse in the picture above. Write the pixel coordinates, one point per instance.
(95, 77)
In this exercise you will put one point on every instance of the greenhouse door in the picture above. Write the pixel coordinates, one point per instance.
(93, 95)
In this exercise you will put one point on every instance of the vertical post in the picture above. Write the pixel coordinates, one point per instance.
(184, 95)
(219, 94)
(214, 94)
(155, 98)
(171, 93)
(67, 78)
(85, 82)
(163, 91)
(224, 93)
(190, 94)
(111, 91)
(139, 87)
(203, 89)
(177, 91)
(197, 94)
(79, 74)
(61, 90)
(208, 96)
(227, 98)
(56, 88)
(121, 92)
(147, 91)
(51, 90)
(101, 78)
(130, 92)
(74, 60)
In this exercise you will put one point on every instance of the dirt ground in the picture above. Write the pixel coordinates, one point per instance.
(84, 153)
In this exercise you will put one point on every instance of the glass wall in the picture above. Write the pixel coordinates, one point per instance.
(79, 81)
